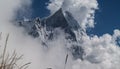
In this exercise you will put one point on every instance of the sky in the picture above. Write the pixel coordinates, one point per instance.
(107, 17)
(39, 8)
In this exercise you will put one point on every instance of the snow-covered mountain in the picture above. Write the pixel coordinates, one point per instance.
(46, 29)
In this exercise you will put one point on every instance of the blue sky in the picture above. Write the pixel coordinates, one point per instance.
(107, 17)
(39, 8)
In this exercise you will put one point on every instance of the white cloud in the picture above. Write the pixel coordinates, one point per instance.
(102, 52)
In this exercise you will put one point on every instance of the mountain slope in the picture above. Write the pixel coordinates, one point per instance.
(46, 29)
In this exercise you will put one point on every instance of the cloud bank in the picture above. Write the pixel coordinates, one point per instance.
(102, 52)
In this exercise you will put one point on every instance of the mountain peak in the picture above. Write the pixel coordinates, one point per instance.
(45, 29)
(56, 20)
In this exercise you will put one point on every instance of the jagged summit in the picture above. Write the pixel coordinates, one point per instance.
(57, 20)
(45, 29)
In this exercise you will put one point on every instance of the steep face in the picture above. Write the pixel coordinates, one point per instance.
(63, 20)
(73, 24)
(56, 20)
(45, 29)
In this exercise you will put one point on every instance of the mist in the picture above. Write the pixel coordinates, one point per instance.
(101, 52)
(25, 45)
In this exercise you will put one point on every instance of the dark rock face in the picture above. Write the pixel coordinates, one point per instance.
(57, 20)
(46, 28)
(73, 24)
